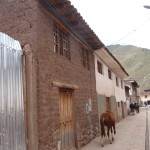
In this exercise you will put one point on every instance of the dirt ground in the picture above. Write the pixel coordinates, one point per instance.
(130, 134)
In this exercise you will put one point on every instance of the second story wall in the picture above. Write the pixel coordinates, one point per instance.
(145, 97)
(106, 86)
(19, 21)
(120, 91)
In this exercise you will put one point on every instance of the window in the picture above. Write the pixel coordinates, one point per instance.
(99, 67)
(121, 84)
(117, 81)
(61, 45)
(84, 57)
(109, 74)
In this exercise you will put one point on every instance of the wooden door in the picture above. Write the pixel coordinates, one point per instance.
(107, 104)
(66, 121)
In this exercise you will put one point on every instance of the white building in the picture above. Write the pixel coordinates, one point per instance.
(145, 97)
(109, 83)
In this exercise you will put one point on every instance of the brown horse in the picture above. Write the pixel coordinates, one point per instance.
(107, 119)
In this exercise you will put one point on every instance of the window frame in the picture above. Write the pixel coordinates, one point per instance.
(118, 104)
(84, 52)
(122, 84)
(61, 41)
(117, 82)
(99, 67)
(109, 74)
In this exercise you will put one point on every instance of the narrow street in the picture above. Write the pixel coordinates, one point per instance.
(130, 134)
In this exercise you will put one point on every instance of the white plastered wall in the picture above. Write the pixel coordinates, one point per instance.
(143, 98)
(106, 86)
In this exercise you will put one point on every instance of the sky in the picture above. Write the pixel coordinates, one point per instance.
(124, 22)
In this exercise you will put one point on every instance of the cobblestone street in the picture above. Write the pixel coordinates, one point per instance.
(130, 134)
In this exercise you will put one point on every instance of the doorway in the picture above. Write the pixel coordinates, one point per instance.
(108, 104)
(66, 119)
(122, 107)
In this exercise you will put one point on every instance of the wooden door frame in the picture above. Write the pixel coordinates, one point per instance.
(71, 91)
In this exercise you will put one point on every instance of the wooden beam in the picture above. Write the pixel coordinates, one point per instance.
(65, 85)
(72, 17)
(62, 5)
(57, 1)
(74, 23)
(88, 38)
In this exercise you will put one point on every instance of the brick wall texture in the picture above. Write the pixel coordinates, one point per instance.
(27, 22)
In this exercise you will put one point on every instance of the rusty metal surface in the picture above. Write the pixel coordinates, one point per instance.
(12, 134)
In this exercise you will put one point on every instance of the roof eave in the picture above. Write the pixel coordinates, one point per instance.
(72, 20)
(113, 63)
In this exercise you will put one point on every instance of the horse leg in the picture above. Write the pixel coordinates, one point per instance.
(112, 136)
(108, 128)
(102, 132)
(102, 140)
(114, 131)
(133, 111)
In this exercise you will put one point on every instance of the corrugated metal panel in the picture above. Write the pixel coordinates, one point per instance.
(12, 131)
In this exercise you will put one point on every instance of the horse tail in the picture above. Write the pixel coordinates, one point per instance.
(102, 127)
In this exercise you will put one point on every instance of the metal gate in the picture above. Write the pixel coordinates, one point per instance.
(12, 128)
(66, 121)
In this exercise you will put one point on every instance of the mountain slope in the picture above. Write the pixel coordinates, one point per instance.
(136, 62)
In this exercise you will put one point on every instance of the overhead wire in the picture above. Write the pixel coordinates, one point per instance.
(131, 32)
(24, 18)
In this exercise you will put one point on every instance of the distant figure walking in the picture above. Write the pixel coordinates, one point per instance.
(145, 103)
(136, 107)
(132, 107)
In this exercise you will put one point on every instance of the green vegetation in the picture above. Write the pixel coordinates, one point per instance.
(136, 62)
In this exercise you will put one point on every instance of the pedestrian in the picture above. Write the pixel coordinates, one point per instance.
(137, 108)
(145, 103)
(132, 108)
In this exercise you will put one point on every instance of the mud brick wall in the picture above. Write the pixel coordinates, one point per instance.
(55, 68)
(27, 22)
(18, 20)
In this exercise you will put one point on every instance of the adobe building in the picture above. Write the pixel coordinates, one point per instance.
(145, 97)
(132, 91)
(60, 97)
(109, 83)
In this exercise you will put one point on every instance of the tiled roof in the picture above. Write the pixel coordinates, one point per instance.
(69, 16)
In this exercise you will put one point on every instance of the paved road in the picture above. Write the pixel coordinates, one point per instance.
(130, 134)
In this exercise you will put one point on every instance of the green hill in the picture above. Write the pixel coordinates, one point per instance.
(136, 62)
